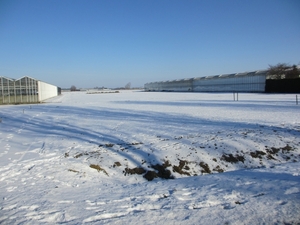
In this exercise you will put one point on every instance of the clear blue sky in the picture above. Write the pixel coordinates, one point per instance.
(109, 43)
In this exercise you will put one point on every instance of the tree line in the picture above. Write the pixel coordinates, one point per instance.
(283, 71)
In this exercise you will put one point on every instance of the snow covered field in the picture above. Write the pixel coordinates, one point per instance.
(151, 158)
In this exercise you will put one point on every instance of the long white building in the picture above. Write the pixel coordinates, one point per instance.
(238, 82)
(25, 90)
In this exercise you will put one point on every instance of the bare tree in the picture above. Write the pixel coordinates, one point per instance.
(127, 86)
(278, 71)
(73, 88)
(293, 72)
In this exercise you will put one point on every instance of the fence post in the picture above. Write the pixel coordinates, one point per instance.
(237, 96)
(296, 99)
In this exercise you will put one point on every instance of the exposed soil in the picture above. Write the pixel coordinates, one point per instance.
(182, 165)
(74, 171)
(117, 164)
(136, 143)
(233, 159)
(287, 148)
(188, 168)
(257, 154)
(160, 171)
(150, 175)
(272, 150)
(136, 170)
(218, 169)
(205, 167)
(109, 145)
(98, 168)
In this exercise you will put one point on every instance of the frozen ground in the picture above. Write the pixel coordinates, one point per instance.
(87, 159)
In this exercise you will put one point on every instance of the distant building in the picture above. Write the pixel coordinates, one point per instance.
(238, 82)
(25, 90)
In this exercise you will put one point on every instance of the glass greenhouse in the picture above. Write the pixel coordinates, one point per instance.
(24, 90)
(239, 82)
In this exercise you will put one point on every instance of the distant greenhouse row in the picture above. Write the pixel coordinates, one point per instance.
(25, 90)
(238, 82)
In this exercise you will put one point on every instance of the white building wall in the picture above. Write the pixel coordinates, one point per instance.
(46, 91)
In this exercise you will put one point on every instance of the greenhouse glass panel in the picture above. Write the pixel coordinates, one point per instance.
(23, 90)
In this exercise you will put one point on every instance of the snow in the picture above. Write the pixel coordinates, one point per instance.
(229, 162)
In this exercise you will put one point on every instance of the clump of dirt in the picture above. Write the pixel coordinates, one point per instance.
(136, 170)
(150, 175)
(269, 156)
(98, 168)
(109, 145)
(162, 171)
(117, 164)
(80, 154)
(257, 154)
(218, 169)
(166, 164)
(182, 165)
(178, 138)
(272, 150)
(74, 171)
(205, 167)
(287, 148)
(136, 143)
(233, 159)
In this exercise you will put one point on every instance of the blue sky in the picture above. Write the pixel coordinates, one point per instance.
(112, 42)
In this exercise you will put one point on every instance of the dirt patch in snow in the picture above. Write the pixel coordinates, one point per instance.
(117, 164)
(183, 165)
(160, 170)
(201, 158)
(98, 168)
(136, 170)
(205, 167)
(233, 159)
(274, 151)
(218, 169)
(257, 154)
